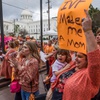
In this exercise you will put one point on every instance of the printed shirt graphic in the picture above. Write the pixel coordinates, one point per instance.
(63, 78)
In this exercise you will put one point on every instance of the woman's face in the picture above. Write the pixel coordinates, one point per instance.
(81, 61)
(25, 50)
(61, 58)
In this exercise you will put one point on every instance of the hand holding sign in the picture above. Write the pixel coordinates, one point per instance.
(87, 22)
(90, 39)
(70, 31)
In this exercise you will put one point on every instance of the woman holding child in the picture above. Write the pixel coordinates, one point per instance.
(82, 79)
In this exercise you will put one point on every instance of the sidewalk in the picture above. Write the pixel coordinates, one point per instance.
(6, 95)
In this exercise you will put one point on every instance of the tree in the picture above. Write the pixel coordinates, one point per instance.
(23, 33)
(16, 28)
(94, 13)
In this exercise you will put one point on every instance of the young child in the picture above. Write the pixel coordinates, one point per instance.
(62, 59)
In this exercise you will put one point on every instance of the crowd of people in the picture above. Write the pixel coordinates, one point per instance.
(70, 75)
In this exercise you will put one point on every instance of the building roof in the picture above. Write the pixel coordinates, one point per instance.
(26, 12)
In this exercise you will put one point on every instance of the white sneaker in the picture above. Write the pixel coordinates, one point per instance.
(9, 85)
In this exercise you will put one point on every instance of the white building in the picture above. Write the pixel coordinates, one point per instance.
(25, 22)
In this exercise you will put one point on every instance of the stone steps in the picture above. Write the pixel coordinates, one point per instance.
(42, 69)
(4, 82)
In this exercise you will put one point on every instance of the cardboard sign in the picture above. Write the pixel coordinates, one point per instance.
(70, 33)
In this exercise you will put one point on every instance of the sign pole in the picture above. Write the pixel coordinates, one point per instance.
(1, 28)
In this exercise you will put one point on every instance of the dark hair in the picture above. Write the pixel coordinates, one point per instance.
(82, 54)
(11, 44)
(85, 57)
(64, 52)
(98, 31)
(16, 43)
(50, 41)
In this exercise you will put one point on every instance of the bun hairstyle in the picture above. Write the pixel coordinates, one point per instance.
(11, 44)
(64, 52)
(17, 43)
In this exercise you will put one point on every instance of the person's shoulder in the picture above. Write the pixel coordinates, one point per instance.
(33, 60)
(72, 63)
(98, 47)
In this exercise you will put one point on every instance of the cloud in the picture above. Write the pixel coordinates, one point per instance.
(13, 8)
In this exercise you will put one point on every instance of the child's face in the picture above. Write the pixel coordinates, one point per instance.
(98, 38)
(61, 58)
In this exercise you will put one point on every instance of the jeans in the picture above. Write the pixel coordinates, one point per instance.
(47, 66)
(25, 95)
(57, 95)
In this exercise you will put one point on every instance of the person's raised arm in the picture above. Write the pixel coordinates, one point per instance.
(93, 53)
(87, 27)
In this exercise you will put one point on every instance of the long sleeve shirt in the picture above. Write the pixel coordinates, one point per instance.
(29, 73)
(84, 84)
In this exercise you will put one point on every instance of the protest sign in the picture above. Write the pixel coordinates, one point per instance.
(70, 32)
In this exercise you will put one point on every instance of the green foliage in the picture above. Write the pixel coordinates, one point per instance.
(16, 28)
(94, 13)
(11, 34)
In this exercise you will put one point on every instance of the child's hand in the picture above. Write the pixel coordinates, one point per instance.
(67, 66)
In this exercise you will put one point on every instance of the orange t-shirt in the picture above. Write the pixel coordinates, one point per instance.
(48, 49)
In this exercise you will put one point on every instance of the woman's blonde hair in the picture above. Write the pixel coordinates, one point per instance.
(33, 49)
